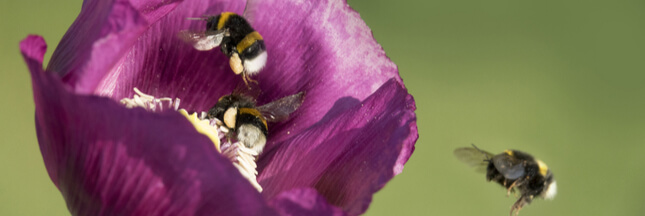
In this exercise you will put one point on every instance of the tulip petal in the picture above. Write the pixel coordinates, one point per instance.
(109, 160)
(303, 201)
(350, 154)
(100, 36)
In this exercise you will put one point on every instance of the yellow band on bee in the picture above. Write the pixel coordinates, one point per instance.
(222, 19)
(255, 113)
(543, 167)
(248, 40)
(509, 152)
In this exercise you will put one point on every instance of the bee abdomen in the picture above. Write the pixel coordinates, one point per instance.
(255, 57)
(250, 44)
(251, 129)
(252, 137)
(253, 117)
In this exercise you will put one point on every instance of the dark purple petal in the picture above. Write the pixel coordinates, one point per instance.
(350, 154)
(102, 33)
(109, 160)
(304, 201)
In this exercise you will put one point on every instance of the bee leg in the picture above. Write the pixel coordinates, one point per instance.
(236, 63)
(510, 188)
(519, 204)
(245, 81)
(246, 78)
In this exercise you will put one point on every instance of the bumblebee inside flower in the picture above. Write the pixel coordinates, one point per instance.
(236, 38)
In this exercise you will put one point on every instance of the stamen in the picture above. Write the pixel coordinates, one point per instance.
(243, 159)
(150, 103)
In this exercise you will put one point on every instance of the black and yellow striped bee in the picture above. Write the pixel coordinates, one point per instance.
(247, 122)
(237, 39)
(513, 170)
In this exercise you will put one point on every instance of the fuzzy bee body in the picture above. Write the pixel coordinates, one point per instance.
(240, 41)
(236, 38)
(514, 170)
(247, 122)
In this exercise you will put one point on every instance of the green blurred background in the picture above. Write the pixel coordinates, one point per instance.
(563, 80)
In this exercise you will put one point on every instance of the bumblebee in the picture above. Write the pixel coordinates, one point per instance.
(237, 39)
(514, 170)
(247, 122)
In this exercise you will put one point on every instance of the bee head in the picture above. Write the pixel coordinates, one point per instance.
(211, 23)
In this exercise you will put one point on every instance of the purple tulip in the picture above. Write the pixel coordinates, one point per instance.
(354, 132)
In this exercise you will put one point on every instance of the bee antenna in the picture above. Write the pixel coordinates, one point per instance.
(474, 146)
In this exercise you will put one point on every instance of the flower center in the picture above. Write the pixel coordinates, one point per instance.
(242, 157)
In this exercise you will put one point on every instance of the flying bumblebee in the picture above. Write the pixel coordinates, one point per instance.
(247, 122)
(237, 39)
(513, 170)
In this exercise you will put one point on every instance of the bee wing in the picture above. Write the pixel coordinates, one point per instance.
(509, 166)
(202, 41)
(474, 157)
(280, 109)
(250, 10)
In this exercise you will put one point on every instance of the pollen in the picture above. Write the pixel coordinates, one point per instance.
(203, 127)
